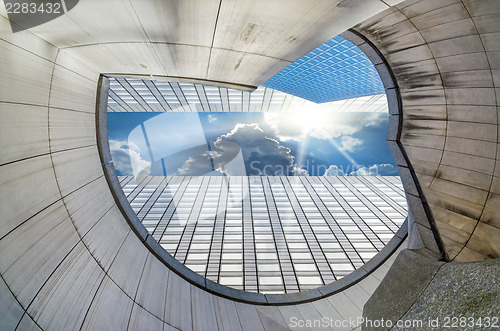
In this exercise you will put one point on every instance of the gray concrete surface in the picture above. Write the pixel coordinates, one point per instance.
(64, 276)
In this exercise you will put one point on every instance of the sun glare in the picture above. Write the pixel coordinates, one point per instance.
(309, 120)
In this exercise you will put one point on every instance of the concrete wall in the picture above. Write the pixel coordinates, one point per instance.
(69, 259)
(427, 295)
(446, 58)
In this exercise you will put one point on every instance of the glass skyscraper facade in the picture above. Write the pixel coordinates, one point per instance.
(138, 95)
(336, 70)
(270, 234)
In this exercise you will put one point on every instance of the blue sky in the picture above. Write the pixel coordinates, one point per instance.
(232, 143)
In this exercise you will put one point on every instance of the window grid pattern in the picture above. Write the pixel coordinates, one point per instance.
(137, 95)
(270, 234)
(336, 70)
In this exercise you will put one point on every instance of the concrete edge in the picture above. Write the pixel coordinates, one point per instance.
(178, 79)
(395, 104)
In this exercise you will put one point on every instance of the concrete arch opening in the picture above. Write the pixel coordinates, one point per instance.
(153, 245)
(66, 247)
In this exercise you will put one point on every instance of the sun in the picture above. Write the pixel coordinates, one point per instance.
(309, 120)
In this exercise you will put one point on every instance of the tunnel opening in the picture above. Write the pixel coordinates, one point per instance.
(238, 251)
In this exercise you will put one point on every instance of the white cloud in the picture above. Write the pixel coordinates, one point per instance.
(383, 169)
(322, 125)
(365, 171)
(376, 170)
(297, 171)
(126, 158)
(198, 165)
(349, 143)
(211, 118)
(260, 154)
(333, 170)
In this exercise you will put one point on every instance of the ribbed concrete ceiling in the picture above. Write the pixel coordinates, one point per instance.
(234, 41)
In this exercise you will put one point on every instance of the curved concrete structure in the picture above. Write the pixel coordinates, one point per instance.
(446, 60)
(69, 260)
(392, 106)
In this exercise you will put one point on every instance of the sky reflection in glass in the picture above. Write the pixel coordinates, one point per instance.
(253, 144)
